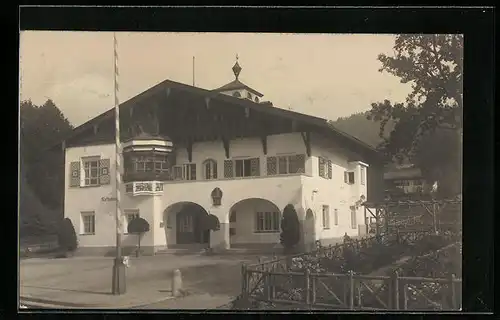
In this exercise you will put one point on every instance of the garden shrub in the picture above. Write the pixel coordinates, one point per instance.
(66, 237)
(290, 229)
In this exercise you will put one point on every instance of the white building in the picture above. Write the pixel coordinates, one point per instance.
(189, 152)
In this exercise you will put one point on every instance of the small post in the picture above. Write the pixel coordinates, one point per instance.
(453, 288)
(351, 292)
(395, 284)
(176, 283)
(307, 286)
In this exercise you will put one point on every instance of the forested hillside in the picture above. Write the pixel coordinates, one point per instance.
(359, 126)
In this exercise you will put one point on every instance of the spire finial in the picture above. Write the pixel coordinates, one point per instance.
(236, 68)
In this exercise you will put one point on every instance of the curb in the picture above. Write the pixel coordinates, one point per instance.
(45, 303)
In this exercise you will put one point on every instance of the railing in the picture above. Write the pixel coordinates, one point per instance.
(353, 292)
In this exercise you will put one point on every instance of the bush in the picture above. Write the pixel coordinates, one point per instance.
(66, 236)
(290, 228)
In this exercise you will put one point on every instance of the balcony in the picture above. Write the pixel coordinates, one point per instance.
(146, 176)
(144, 188)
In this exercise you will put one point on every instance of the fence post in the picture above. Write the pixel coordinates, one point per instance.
(267, 286)
(453, 292)
(307, 286)
(243, 279)
(395, 285)
(351, 292)
(313, 289)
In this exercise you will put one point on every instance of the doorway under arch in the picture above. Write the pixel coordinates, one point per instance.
(184, 224)
(254, 222)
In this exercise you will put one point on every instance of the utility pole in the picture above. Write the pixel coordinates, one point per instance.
(118, 283)
(193, 71)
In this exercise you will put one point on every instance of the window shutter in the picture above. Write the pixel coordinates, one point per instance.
(228, 168)
(321, 163)
(214, 173)
(177, 172)
(104, 176)
(74, 178)
(329, 169)
(192, 168)
(271, 166)
(255, 167)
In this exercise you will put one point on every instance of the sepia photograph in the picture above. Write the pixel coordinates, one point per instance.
(240, 171)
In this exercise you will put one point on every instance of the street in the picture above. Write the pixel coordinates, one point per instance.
(82, 282)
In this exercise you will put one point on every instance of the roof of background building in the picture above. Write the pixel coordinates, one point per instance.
(237, 84)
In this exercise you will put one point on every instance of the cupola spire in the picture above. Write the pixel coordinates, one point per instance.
(236, 68)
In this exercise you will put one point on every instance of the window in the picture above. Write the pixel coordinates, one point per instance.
(256, 99)
(354, 223)
(267, 222)
(160, 163)
(286, 164)
(363, 177)
(185, 172)
(88, 222)
(336, 217)
(349, 177)
(91, 171)
(326, 217)
(247, 167)
(210, 167)
(236, 94)
(325, 168)
(249, 95)
(131, 215)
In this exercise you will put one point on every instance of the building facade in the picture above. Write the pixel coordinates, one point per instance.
(189, 153)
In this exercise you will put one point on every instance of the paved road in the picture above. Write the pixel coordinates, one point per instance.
(211, 281)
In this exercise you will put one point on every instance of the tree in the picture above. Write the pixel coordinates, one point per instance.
(433, 65)
(290, 229)
(66, 237)
(41, 174)
(138, 226)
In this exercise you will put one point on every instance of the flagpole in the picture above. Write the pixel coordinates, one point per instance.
(118, 282)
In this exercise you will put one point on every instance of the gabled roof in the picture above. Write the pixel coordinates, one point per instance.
(237, 84)
(162, 87)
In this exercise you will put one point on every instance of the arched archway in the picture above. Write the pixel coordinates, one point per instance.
(254, 221)
(310, 230)
(184, 224)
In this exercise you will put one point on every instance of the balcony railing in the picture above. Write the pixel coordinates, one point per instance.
(146, 176)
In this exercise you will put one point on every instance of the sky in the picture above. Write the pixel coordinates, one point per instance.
(324, 75)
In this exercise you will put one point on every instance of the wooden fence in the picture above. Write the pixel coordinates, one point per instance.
(351, 291)
(296, 280)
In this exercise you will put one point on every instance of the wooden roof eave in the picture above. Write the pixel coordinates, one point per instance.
(161, 88)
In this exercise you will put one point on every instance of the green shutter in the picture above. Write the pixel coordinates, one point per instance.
(271, 166)
(228, 168)
(329, 169)
(104, 174)
(321, 166)
(74, 174)
(255, 167)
